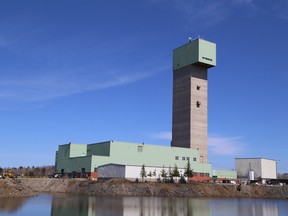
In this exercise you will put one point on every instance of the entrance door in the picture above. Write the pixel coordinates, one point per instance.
(83, 173)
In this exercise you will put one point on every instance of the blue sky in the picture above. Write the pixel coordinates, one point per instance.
(89, 71)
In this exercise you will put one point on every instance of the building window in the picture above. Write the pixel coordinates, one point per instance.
(195, 174)
(176, 157)
(198, 87)
(183, 158)
(140, 148)
(207, 174)
(202, 174)
(187, 158)
(194, 159)
(198, 104)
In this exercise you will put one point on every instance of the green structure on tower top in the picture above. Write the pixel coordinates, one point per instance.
(198, 52)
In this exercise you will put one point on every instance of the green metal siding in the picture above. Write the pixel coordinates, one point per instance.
(71, 157)
(74, 164)
(63, 151)
(77, 150)
(196, 52)
(151, 155)
(229, 174)
(101, 149)
(207, 53)
(132, 154)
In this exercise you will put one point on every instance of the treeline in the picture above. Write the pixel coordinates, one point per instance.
(283, 176)
(170, 173)
(39, 171)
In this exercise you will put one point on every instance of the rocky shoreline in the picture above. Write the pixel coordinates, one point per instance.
(26, 187)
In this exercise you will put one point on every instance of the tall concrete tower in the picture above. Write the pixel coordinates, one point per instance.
(190, 93)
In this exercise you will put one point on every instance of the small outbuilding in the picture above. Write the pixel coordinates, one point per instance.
(256, 168)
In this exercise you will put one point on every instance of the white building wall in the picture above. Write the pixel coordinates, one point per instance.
(133, 172)
(269, 169)
(264, 168)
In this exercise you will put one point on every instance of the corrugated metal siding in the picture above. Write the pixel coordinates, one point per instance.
(102, 149)
(111, 171)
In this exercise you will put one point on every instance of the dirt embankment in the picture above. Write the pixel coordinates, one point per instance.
(14, 188)
(117, 187)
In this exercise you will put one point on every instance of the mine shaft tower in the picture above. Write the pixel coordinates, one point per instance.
(190, 95)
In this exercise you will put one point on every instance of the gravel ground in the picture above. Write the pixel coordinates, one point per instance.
(121, 187)
(14, 188)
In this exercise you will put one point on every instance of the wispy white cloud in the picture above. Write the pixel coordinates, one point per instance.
(206, 13)
(41, 88)
(163, 135)
(220, 145)
(243, 1)
(211, 12)
(280, 10)
(119, 80)
(270, 8)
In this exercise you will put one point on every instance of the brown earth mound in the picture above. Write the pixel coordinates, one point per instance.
(122, 187)
(14, 188)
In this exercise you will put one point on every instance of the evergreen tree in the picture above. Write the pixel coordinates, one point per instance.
(188, 171)
(175, 172)
(170, 172)
(143, 172)
(163, 173)
(150, 175)
(154, 173)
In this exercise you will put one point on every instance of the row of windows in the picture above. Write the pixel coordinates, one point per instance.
(201, 174)
(140, 149)
(184, 158)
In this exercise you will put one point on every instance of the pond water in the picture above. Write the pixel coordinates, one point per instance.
(63, 204)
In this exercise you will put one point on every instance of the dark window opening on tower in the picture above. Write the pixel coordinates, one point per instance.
(198, 87)
(198, 104)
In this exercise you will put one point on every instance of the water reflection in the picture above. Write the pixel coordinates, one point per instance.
(11, 204)
(86, 206)
(124, 206)
(62, 204)
(253, 207)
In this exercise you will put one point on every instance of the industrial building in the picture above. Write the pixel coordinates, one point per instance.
(256, 168)
(189, 129)
(121, 159)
